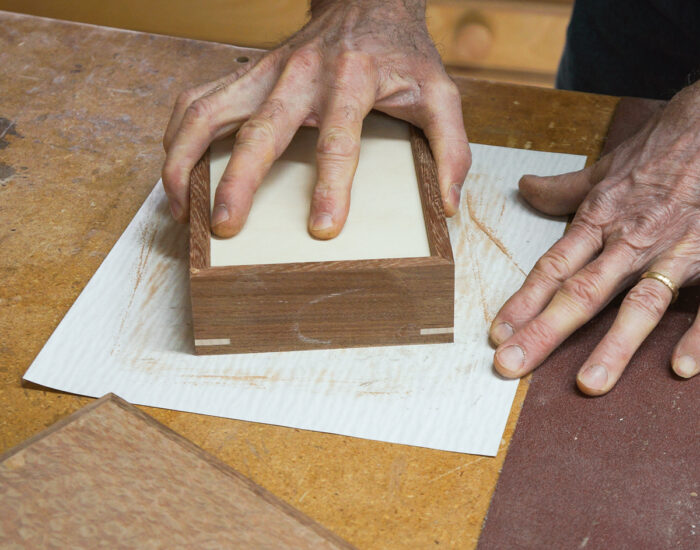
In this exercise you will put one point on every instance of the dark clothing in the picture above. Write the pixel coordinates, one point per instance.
(642, 48)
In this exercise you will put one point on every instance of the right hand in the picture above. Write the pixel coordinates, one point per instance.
(350, 57)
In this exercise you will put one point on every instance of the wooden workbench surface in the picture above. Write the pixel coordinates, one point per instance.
(82, 112)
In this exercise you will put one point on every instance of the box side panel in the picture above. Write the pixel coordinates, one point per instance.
(312, 310)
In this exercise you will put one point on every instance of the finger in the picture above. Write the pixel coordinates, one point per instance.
(204, 120)
(183, 101)
(575, 303)
(338, 148)
(575, 249)
(442, 122)
(562, 194)
(188, 97)
(686, 357)
(262, 139)
(640, 312)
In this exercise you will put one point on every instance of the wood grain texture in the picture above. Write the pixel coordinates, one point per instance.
(91, 133)
(526, 36)
(500, 35)
(111, 476)
(200, 215)
(431, 200)
(321, 305)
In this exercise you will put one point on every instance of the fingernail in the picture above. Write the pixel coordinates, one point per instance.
(175, 209)
(685, 366)
(594, 377)
(501, 332)
(220, 214)
(511, 358)
(454, 194)
(322, 222)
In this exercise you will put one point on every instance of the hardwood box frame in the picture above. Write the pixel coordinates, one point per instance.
(312, 305)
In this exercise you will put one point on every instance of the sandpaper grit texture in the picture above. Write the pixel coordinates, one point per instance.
(619, 471)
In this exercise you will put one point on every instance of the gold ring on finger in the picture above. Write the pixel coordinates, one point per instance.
(673, 287)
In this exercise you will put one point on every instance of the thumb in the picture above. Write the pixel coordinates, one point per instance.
(562, 194)
(556, 195)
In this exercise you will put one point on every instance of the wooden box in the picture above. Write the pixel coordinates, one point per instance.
(323, 304)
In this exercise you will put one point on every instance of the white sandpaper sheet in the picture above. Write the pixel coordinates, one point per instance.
(129, 332)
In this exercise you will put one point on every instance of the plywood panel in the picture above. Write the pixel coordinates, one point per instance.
(83, 111)
(111, 476)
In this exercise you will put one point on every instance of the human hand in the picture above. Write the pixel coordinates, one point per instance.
(350, 57)
(639, 211)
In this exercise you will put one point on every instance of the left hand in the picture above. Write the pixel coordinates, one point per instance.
(638, 211)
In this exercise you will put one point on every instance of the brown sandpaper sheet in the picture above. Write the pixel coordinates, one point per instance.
(618, 471)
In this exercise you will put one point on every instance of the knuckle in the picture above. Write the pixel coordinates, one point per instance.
(650, 299)
(589, 234)
(351, 112)
(323, 194)
(338, 142)
(171, 177)
(442, 89)
(256, 132)
(305, 60)
(553, 266)
(450, 89)
(582, 293)
(326, 197)
(528, 305)
(273, 108)
(643, 230)
(538, 334)
(598, 208)
(351, 66)
(185, 98)
(198, 110)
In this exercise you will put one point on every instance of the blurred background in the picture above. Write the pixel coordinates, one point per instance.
(507, 40)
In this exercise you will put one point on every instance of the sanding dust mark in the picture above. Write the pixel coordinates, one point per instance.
(488, 231)
(377, 393)
(147, 238)
(458, 468)
(221, 379)
(503, 209)
(480, 281)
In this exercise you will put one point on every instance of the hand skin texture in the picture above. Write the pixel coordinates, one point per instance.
(638, 210)
(350, 57)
